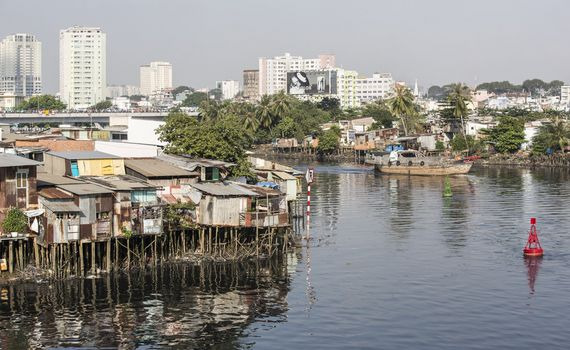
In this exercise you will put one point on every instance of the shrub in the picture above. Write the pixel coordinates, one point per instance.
(15, 221)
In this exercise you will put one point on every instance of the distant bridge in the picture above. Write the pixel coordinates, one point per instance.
(73, 118)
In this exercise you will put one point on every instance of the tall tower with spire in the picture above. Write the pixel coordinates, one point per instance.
(416, 90)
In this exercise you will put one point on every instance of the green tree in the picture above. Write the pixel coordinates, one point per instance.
(286, 128)
(280, 106)
(402, 105)
(103, 105)
(224, 138)
(508, 135)
(180, 89)
(554, 135)
(329, 141)
(458, 98)
(264, 112)
(209, 110)
(42, 102)
(330, 104)
(380, 112)
(15, 221)
(195, 99)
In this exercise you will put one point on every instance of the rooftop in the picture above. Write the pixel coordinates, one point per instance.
(189, 163)
(118, 182)
(74, 155)
(49, 179)
(10, 160)
(154, 167)
(84, 189)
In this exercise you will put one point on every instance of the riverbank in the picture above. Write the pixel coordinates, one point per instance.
(527, 161)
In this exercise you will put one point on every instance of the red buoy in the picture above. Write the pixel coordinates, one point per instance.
(532, 247)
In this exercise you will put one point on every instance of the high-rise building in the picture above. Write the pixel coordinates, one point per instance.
(273, 71)
(82, 66)
(155, 77)
(21, 65)
(379, 86)
(315, 85)
(251, 84)
(229, 88)
(122, 90)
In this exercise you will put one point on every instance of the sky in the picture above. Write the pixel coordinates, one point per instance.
(435, 41)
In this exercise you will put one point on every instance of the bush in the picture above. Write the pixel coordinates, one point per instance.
(15, 221)
(439, 146)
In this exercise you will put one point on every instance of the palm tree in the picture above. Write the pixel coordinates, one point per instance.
(402, 105)
(458, 98)
(557, 133)
(209, 110)
(264, 112)
(281, 105)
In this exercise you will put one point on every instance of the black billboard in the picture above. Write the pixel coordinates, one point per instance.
(311, 82)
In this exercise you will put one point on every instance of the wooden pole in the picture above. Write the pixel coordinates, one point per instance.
(10, 256)
(36, 253)
(108, 254)
(81, 261)
(93, 261)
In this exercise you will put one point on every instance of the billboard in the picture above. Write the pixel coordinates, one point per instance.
(312, 82)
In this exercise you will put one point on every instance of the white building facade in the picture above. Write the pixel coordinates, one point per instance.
(155, 77)
(379, 86)
(82, 66)
(229, 88)
(273, 71)
(21, 65)
(565, 95)
(122, 90)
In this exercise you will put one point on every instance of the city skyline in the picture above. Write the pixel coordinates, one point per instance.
(411, 39)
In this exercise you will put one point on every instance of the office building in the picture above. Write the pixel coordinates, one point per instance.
(251, 84)
(229, 88)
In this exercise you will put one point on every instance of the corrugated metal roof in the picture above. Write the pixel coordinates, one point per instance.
(54, 193)
(10, 160)
(119, 182)
(283, 175)
(229, 189)
(50, 179)
(84, 189)
(61, 206)
(259, 191)
(153, 167)
(83, 155)
(188, 163)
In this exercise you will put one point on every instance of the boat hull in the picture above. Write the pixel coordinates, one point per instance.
(425, 170)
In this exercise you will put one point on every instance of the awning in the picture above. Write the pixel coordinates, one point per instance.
(34, 213)
(62, 207)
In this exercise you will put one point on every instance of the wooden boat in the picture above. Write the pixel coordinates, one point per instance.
(410, 162)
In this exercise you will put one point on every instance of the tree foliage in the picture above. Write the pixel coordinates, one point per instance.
(194, 99)
(329, 141)
(402, 106)
(508, 135)
(380, 113)
(180, 89)
(15, 221)
(554, 135)
(42, 102)
(102, 105)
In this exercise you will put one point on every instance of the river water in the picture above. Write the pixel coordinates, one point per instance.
(391, 264)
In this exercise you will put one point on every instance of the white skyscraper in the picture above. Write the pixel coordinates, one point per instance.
(82, 66)
(379, 86)
(155, 77)
(20, 65)
(273, 71)
(229, 88)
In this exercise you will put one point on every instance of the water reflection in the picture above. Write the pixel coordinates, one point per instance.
(175, 306)
(533, 265)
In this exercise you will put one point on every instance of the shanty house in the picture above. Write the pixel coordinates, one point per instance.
(160, 173)
(61, 218)
(83, 163)
(96, 210)
(135, 204)
(17, 183)
(208, 169)
(234, 204)
(288, 183)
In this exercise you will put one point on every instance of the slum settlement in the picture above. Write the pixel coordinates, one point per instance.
(73, 210)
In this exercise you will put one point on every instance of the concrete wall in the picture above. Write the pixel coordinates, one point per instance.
(127, 149)
(144, 131)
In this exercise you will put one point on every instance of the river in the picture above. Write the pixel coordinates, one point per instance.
(391, 264)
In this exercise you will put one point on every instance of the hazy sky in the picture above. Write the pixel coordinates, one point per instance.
(436, 41)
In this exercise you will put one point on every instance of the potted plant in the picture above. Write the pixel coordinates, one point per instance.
(15, 222)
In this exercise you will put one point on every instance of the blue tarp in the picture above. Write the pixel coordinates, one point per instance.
(268, 184)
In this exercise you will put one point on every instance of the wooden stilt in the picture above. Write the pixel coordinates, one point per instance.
(108, 255)
(128, 253)
(81, 258)
(93, 258)
(11, 257)
(36, 253)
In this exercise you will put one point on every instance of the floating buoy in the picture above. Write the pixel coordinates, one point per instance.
(532, 247)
